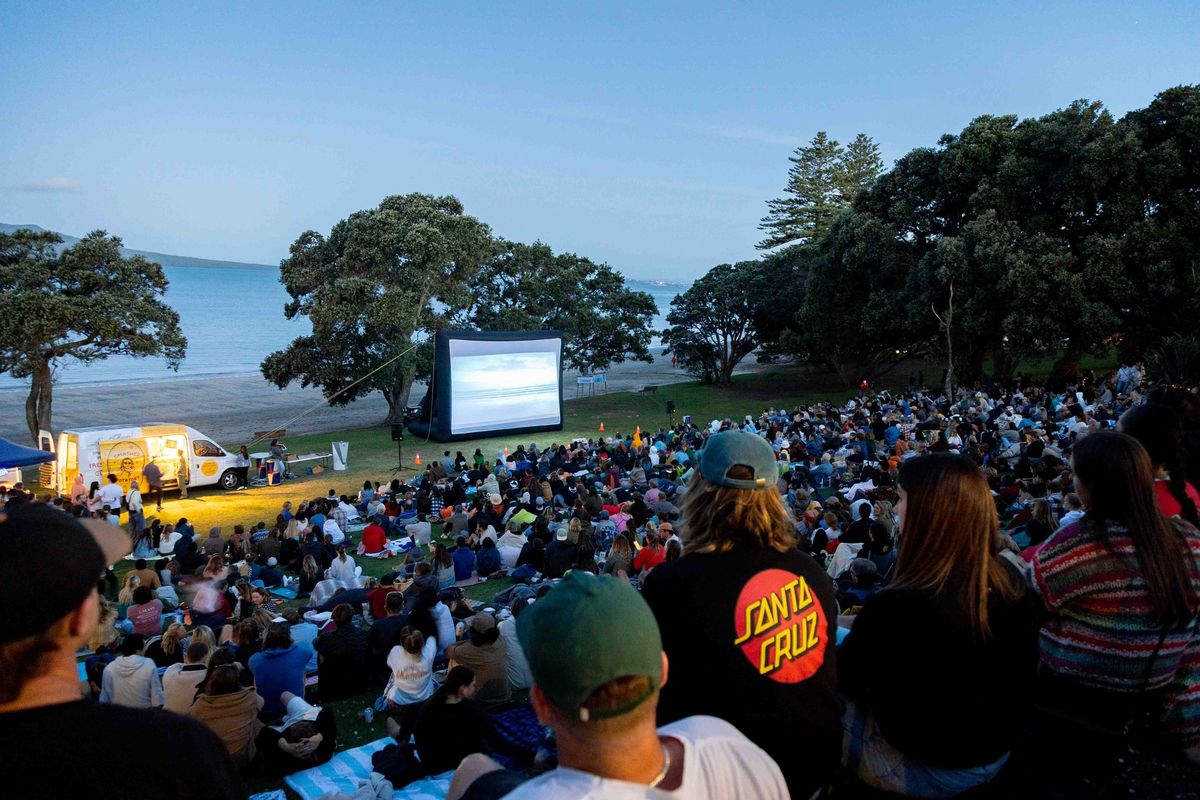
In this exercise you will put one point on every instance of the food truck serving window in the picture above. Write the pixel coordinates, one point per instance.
(206, 449)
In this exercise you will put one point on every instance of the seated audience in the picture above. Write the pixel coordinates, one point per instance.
(231, 711)
(131, 679)
(596, 685)
(279, 667)
(486, 654)
(966, 622)
(342, 657)
(179, 681)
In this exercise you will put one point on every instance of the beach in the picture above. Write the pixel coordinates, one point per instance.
(232, 408)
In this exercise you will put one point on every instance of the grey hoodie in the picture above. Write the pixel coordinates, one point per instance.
(131, 681)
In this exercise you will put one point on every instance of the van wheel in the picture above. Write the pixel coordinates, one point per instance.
(229, 480)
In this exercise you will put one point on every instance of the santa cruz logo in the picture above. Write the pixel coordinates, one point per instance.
(780, 626)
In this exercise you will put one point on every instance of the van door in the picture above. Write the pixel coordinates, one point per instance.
(205, 465)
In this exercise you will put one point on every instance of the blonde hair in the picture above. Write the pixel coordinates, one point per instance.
(104, 633)
(172, 638)
(125, 596)
(718, 517)
(203, 633)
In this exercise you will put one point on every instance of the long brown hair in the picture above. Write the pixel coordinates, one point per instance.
(718, 517)
(948, 537)
(1115, 470)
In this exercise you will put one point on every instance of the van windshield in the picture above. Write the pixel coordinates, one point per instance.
(206, 449)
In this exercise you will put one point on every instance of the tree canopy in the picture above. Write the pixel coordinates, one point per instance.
(713, 323)
(374, 289)
(528, 287)
(86, 303)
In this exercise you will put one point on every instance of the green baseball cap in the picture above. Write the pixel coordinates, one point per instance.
(733, 447)
(574, 644)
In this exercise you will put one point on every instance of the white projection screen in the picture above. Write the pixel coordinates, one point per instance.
(504, 384)
(493, 382)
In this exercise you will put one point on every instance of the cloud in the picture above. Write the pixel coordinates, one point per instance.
(60, 185)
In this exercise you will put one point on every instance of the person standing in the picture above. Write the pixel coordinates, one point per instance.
(137, 517)
(56, 558)
(242, 467)
(154, 481)
(110, 494)
(181, 475)
(744, 610)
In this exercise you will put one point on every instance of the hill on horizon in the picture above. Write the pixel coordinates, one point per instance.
(165, 259)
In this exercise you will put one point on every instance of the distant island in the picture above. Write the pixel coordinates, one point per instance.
(162, 258)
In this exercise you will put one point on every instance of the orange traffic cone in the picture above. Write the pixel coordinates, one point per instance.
(602, 427)
(417, 460)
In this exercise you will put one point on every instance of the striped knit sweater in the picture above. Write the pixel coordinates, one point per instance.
(1101, 631)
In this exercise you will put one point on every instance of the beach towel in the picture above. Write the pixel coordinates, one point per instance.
(345, 770)
(284, 592)
(520, 727)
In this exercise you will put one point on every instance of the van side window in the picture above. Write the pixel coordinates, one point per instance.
(205, 449)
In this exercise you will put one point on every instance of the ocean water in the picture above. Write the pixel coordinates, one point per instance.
(233, 318)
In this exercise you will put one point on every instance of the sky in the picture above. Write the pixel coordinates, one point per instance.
(647, 135)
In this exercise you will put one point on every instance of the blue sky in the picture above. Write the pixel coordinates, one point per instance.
(646, 135)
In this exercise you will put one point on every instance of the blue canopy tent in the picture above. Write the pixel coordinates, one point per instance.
(15, 455)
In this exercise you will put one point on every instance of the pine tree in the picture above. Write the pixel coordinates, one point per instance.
(824, 179)
(811, 197)
(859, 167)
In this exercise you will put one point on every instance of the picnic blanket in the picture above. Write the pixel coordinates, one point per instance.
(343, 772)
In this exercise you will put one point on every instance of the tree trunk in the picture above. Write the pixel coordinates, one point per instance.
(397, 399)
(41, 396)
(1066, 368)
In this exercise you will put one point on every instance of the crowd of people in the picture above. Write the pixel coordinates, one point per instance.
(917, 593)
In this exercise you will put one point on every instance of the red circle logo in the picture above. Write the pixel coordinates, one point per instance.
(781, 626)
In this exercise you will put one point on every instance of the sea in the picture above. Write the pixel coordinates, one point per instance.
(233, 318)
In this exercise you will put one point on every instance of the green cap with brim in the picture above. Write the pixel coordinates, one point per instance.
(731, 448)
(585, 632)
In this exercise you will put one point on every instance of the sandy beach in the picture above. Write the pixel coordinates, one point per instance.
(231, 409)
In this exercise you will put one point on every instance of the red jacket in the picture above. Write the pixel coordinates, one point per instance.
(373, 538)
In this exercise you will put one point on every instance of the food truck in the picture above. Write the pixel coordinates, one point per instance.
(124, 450)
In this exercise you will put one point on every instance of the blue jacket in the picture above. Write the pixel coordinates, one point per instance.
(464, 563)
(277, 671)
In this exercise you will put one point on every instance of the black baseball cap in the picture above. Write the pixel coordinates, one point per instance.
(49, 564)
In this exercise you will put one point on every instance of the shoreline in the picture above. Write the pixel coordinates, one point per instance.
(231, 408)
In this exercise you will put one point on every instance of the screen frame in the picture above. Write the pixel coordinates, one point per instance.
(435, 419)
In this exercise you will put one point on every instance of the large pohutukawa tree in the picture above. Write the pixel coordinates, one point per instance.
(83, 304)
(375, 288)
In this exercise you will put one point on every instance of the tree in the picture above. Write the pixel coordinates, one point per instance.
(713, 323)
(823, 180)
(528, 287)
(86, 303)
(853, 317)
(383, 280)
(858, 168)
(1162, 245)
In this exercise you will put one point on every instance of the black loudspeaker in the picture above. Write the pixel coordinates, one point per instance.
(670, 406)
(397, 432)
